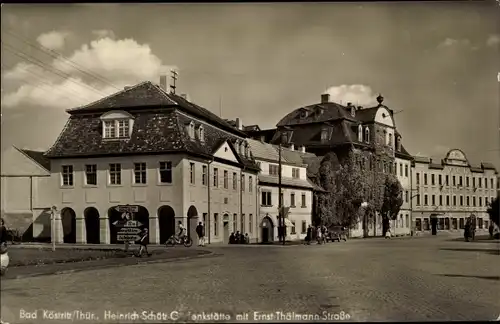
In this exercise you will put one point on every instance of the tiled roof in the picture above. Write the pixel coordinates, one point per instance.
(38, 157)
(315, 113)
(263, 178)
(313, 164)
(261, 150)
(404, 153)
(422, 159)
(488, 166)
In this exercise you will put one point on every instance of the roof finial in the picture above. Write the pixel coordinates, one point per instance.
(380, 99)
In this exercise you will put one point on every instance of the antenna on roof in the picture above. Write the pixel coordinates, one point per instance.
(174, 78)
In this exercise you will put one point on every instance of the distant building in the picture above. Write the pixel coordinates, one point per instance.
(296, 194)
(26, 193)
(403, 170)
(149, 148)
(451, 190)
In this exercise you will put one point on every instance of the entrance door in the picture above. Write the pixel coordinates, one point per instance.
(225, 237)
(265, 235)
(434, 222)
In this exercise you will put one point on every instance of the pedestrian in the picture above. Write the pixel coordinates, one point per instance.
(490, 229)
(200, 230)
(232, 239)
(309, 235)
(323, 233)
(144, 243)
(238, 237)
(3, 233)
(318, 235)
(247, 238)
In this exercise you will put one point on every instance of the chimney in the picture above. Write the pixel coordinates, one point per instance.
(302, 149)
(292, 147)
(239, 124)
(163, 82)
(325, 98)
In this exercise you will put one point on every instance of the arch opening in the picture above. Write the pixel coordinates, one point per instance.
(267, 229)
(192, 221)
(166, 222)
(92, 225)
(68, 220)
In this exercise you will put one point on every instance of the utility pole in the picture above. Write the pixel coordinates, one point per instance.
(281, 221)
(174, 78)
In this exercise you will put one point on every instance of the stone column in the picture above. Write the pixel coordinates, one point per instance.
(104, 234)
(154, 230)
(59, 232)
(81, 233)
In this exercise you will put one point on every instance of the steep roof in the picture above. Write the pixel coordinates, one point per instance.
(316, 113)
(38, 157)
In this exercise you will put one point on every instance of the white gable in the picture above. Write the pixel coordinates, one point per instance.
(15, 163)
(225, 152)
(384, 117)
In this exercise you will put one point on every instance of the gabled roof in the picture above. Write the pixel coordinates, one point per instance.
(38, 157)
(316, 113)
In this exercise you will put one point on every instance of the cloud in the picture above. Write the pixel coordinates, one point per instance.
(450, 42)
(493, 40)
(357, 94)
(103, 33)
(110, 65)
(53, 40)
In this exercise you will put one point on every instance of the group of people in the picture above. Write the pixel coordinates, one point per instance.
(320, 233)
(239, 238)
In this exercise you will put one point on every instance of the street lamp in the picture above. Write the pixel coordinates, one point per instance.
(53, 210)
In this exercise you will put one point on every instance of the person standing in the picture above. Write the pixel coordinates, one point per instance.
(200, 230)
(318, 235)
(144, 243)
(309, 235)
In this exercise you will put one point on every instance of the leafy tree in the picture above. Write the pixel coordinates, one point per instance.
(494, 212)
(326, 200)
(392, 200)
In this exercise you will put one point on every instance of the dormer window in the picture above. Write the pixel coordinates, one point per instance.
(390, 139)
(398, 144)
(303, 113)
(360, 133)
(190, 130)
(246, 150)
(117, 125)
(367, 135)
(201, 133)
(240, 147)
(324, 135)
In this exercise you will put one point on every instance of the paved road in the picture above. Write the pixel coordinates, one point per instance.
(424, 279)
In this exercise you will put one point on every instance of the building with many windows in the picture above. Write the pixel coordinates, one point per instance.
(402, 225)
(144, 147)
(451, 190)
(296, 193)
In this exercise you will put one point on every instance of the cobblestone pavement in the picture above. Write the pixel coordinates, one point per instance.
(371, 280)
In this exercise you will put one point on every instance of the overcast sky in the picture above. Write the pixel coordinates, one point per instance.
(437, 63)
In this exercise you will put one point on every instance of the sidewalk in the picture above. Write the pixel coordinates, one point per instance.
(166, 255)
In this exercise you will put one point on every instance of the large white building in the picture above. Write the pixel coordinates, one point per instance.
(296, 193)
(451, 190)
(145, 147)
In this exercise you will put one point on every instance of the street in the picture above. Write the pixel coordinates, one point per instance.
(410, 279)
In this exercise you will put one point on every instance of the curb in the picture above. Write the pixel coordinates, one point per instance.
(107, 266)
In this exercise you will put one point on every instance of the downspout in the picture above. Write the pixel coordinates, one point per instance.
(31, 193)
(209, 180)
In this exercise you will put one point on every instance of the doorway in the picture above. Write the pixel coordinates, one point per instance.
(225, 233)
(267, 229)
(68, 219)
(92, 225)
(434, 223)
(166, 222)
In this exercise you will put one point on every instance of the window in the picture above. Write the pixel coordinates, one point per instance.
(447, 182)
(418, 200)
(324, 135)
(304, 227)
(293, 228)
(447, 200)
(480, 201)
(407, 220)
(440, 200)
(418, 179)
(395, 169)
(109, 129)
(192, 173)
(282, 201)
(486, 202)
(406, 170)
(216, 177)
(433, 200)
(242, 223)
(425, 179)
(250, 184)
(454, 200)
(406, 196)
(460, 181)
(226, 180)
(296, 173)
(304, 200)
(486, 183)
(367, 135)
(390, 139)
(467, 201)
(140, 173)
(67, 175)
(292, 199)
(426, 202)
(191, 130)
(201, 134)
(204, 170)
(166, 172)
(235, 223)
(360, 133)
(123, 128)
(492, 182)
(246, 149)
(479, 182)
(216, 224)
(250, 223)
(115, 174)
(273, 169)
(440, 178)
(235, 181)
(433, 182)
(454, 181)
(266, 198)
(242, 182)
(400, 169)
(467, 183)
(474, 201)
(91, 174)
(473, 182)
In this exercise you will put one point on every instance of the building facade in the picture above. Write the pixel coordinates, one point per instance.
(451, 190)
(296, 192)
(402, 225)
(26, 197)
(167, 157)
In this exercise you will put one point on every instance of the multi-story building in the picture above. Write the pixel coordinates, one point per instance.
(369, 133)
(296, 192)
(451, 190)
(168, 158)
(402, 225)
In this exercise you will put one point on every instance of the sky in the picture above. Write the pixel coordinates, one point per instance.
(435, 63)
